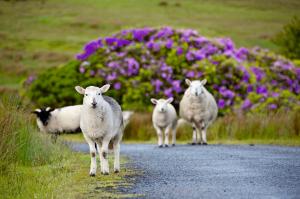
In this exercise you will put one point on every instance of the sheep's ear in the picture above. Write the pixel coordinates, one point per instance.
(170, 100)
(105, 88)
(203, 82)
(154, 101)
(36, 111)
(49, 109)
(188, 82)
(80, 90)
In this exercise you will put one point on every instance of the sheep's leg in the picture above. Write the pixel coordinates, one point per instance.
(199, 136)
(203, 132)
(173, 136)
(92, 147)
(99, 146)
(104, 154)
(159, 135)
(116, 146)
(194, 135)
(167, 130)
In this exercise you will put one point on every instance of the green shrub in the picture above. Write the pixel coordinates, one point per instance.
(289, 39)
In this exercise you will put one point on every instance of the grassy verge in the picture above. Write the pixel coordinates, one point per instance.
(33, 167)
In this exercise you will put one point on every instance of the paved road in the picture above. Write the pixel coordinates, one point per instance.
(215, 171)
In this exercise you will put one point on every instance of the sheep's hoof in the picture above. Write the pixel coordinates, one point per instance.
(173, 144)
(92, 174)
(193, 143)
(117, 171)
(160, 146)
(105, 173)
(166, 145)
(204, 143)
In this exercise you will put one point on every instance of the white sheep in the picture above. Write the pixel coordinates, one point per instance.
(53, 121)
(198, 107)
(164, 117)
(101, 121)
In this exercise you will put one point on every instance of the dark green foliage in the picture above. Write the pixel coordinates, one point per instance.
(289, 39)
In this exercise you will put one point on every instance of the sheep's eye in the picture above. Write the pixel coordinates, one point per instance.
(86, 94)
(99, 93)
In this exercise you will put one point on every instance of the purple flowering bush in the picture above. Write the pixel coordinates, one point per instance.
(149, 62)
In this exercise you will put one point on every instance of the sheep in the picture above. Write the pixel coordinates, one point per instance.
(198, 107)
(164, 117)
(101, 121)
(55, 121)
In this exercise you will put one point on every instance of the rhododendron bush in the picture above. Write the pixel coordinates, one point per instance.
(149, 62)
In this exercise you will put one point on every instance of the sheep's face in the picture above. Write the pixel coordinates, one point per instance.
(196, 87)
(161, 104)
(43, 115)
(92, 95)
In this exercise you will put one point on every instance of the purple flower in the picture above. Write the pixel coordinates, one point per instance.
(221, 103)
(89, 49)
(164, 32)
(111, 76)
(190, 74)
(157, 84)
(117, 85)
(113, 64)
(156, 47)
(249, 88)
(168, 92)
(246, 104)
(272, 106)
(110, 41)
(261, 90)
(258, 73)
(169, 44)
(122, 42)
(132, 65)
(199, 55)
(200, 41)
(140, 34)
(150, 44)
(189, 56)
(179, 51)
(227, 43)
(81, 69)
(176, 86)
(226, 93)
(241, 54)
(92, 73)
(274, 94)
(30, 79)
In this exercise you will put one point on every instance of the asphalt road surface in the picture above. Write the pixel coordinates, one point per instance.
(214, 171)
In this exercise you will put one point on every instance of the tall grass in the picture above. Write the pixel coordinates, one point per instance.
(252, 126)
(26, 156)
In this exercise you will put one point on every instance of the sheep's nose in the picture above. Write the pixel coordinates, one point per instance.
(196, 93)
(94, 104)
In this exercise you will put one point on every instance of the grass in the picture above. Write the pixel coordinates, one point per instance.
(35, 35)
(279, 128)
(31, 166)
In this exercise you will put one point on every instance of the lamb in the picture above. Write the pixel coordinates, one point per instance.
(55, 121)
(101, 121)
(198, 107)
(164, 117)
